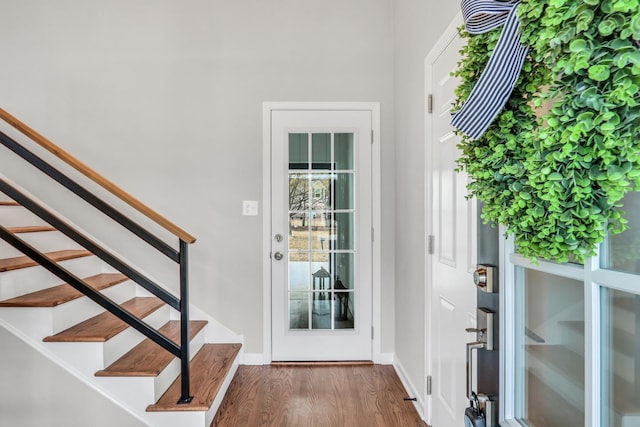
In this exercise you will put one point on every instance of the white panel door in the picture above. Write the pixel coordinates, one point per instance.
(453, 293)
(321, 235)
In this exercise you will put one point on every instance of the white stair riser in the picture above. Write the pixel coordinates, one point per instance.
(173, 419)
(129, 338)
(36, 323)
(17, 216)
(26, 280)
(78, 310)
(45, 241)
(83, 357)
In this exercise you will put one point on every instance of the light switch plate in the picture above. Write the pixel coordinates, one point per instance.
(250, 207)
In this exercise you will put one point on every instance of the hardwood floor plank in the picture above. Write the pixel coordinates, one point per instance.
(208, 370)
(52, 297)
(8, 203)
(357, 395)
(148, 359)
(104, 326)
(16, 263)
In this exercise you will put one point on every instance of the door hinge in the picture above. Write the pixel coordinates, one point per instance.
(430, 103)
(429, 385)
(373, 234)
(372, 136)
(372, 332)
(431, 244)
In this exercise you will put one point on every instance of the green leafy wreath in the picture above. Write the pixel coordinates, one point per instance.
(555, 177)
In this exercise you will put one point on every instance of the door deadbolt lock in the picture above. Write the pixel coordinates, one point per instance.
(484, 278)
(278, 256)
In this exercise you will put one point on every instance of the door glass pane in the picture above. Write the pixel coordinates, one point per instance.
(344, 230)
(622, 251)
(298, 192)
(550, 350)
(299, 274)
(299, 238)
(344, 271)
(321, 151)
(344, 310)
(322, 308)
(321, 191)
(344, 198)
(344, 154)
(620, 358)
(321, 237)
(298, 151)
(299, 310)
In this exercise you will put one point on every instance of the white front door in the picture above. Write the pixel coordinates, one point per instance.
(453, 293)
(321, 235)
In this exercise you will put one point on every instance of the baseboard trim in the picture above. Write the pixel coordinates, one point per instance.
(258, 359)
(386, 358)
(408, 385)
(253, 359)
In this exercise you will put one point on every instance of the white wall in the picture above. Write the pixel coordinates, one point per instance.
(34, 392)
(165, 99)
(418, 25)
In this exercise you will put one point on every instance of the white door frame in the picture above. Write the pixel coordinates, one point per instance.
(267, 109)
(438, 48)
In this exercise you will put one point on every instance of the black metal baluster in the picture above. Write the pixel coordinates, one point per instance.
(185, 396)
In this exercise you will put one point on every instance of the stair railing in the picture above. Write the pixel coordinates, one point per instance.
(178, 256)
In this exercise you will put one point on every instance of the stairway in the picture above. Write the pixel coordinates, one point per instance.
(95, 345)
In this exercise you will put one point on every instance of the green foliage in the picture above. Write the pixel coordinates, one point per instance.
(555, 179)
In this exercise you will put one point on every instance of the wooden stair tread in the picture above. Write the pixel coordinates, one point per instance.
(209, 369)
(16, 263)
(8, 203)
(52, 297)
(105, 325)
(148, 359)
(31, 229)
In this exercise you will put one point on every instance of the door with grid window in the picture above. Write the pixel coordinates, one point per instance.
(321, 235)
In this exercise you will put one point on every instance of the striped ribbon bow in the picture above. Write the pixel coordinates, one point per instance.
(499, 77)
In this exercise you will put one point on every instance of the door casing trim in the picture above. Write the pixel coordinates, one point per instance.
(376, 256)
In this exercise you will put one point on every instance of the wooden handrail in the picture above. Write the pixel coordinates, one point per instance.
(96, 177)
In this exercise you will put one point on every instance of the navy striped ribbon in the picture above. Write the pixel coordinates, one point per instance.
(494, 87)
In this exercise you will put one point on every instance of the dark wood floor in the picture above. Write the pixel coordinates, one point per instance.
(318, 396)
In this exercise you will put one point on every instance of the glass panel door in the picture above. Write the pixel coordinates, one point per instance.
(321, 223)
